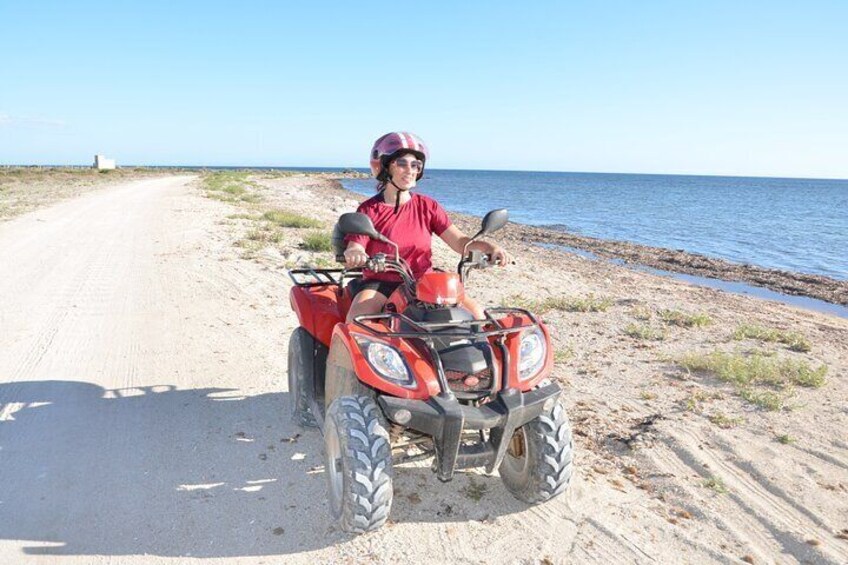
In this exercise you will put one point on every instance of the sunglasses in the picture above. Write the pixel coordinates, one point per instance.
(414, 164)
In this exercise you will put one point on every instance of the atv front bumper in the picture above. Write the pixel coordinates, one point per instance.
(445, 419)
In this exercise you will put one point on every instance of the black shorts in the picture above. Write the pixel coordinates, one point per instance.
(386, 288)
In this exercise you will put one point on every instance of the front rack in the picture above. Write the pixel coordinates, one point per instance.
(443, 329)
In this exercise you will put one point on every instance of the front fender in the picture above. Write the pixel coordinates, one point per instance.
(346, 354)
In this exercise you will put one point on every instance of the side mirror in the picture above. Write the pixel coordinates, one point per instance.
(356, 223)
(494, 220)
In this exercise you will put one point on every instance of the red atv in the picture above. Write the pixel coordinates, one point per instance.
(423, 379)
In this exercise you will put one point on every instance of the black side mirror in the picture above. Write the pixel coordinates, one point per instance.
(356, 223)
(494, 220)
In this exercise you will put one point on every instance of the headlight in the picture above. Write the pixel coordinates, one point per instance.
(531, 355)
(386, 361)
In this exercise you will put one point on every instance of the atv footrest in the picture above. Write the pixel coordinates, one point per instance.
(476, 455)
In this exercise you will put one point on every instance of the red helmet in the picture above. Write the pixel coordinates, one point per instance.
(394, 144)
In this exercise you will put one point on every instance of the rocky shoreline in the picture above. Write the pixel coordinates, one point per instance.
(679, 261)
(676, 261)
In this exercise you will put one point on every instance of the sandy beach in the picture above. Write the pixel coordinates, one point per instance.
(144, 411)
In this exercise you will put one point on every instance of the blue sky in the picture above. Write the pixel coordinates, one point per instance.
(735, 88)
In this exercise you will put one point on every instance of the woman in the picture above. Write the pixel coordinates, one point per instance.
(410, 220)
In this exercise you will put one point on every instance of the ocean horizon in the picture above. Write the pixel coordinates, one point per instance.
(798, 225)
(786, 223)
(365, 170)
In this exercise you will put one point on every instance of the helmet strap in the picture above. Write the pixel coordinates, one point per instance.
(397, 194)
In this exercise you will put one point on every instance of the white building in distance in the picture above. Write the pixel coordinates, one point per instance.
(102, 163)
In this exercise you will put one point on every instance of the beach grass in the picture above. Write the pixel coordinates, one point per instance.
(641, 313)
(265, 234)
(644, 332)
(588, 303)
(563, 355)
(286, 219)
(685, 319)
(318, 241)
(724, 421)
(785, 439)
(750, 373)
(231, 186)
(715, 484)
(795, 341)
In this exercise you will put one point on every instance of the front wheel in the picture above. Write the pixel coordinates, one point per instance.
(537, 465)
(358, 464)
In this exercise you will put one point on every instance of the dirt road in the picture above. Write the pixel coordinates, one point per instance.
(144, 419)
(142, 408)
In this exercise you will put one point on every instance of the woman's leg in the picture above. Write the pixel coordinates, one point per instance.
(367, 301)
(472, 306)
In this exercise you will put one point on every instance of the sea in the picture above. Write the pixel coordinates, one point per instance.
(796, 225)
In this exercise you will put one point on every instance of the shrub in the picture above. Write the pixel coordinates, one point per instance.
(563, 303)
(642, 331)
(746, 372)
(793, 340)
(318, 241)
(684, 319)
(287, 219)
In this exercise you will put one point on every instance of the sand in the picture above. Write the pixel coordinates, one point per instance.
(144, 413)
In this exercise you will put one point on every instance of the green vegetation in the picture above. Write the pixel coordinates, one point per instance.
(746, 372)
(318, 241)
(588, 303)
(644, 332)
(755, 369)
(563, 355)
(641, 313)
(231, 186)
(723, 421)
(236, 187)
(795, 341)
(266, 234)
(766, 399)
(785, 439)
(647, 395)
(695, 400)
(286, 219)
(684, 319)
(716, 484)
(251, 217)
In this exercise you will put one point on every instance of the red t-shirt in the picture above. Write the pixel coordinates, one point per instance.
(411, 228)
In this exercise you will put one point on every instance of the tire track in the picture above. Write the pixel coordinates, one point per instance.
(765, 507)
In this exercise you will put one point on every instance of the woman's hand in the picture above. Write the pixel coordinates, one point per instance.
(355, 256)
(498, 255)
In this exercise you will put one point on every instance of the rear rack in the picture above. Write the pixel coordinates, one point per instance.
(309, 276)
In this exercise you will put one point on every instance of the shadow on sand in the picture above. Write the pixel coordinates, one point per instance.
(160, 471)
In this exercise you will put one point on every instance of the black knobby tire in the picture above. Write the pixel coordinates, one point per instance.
(300, 370)
(538, 463)
(358, 464)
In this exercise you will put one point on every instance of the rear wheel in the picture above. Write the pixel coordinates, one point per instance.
(301, 346)
(358, 464)
(538, 463)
